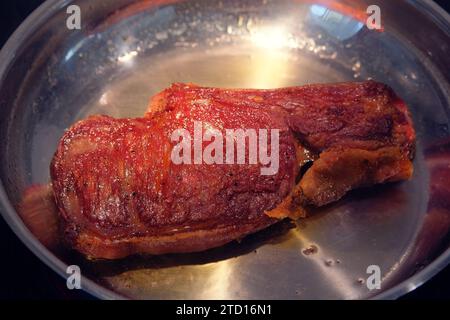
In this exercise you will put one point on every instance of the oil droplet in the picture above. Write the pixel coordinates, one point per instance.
(161, 35)
(312, 249)
(356, 66)
(240, 21)
(329, 263)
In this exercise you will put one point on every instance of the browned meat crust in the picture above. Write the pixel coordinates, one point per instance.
(119, 193)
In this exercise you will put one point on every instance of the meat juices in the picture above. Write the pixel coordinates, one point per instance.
(118, 192)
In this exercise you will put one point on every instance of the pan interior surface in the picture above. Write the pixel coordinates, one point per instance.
(127, 51)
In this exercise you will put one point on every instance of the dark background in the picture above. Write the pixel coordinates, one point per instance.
(23, 276)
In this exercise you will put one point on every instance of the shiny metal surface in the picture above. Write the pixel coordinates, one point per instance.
(126, 51)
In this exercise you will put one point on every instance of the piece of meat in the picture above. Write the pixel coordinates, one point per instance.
(119, 193)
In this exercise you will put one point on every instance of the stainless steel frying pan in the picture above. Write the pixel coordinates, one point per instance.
(51, 76)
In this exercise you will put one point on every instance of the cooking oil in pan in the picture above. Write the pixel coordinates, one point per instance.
(232, 67)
